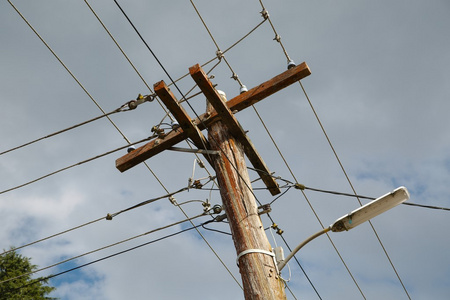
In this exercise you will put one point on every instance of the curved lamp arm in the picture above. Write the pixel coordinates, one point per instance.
(317, 234)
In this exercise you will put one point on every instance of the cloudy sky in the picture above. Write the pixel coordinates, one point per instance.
(379, 85)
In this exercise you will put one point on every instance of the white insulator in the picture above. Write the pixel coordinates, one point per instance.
(291, 64)
(131, 148)
(175, 125)
(243, 89)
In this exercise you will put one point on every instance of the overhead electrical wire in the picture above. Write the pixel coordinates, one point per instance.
(107, 217)
(90, 263)
(373, 198)
(71, 166)
(219, 53)
(124, 54)
(353, 189)
(104, 258)
(122, 108)
(265, 15)
(67, 69)
(299, 186)
(81, 86)
(278, 39)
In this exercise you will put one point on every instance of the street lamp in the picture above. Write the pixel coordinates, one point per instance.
(356, 217)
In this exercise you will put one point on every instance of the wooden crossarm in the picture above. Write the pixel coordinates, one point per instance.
(234, 127)
(238, 103)
(150, 149)
(269, 87)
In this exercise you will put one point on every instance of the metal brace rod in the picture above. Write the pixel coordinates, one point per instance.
(201, 151)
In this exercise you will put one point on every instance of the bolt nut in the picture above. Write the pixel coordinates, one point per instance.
(132, 104)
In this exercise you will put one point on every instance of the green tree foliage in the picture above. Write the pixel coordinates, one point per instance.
(12, 265)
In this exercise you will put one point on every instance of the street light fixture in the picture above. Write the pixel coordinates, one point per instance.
(356, 217)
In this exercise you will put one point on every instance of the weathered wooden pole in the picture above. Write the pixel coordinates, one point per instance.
(255, 258)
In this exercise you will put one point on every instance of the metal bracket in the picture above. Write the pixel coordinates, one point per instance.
(201, 151)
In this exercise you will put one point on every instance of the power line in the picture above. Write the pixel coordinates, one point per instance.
(426, 206)
(123, 52)
(278, 39)
(304, 187)
(219, 53)
(353, 189)
(265, 14)
(103, 258)
(71, 166)
(373, 198)
(122, 108)
(67, 69)
(108, 217)
(105, 247)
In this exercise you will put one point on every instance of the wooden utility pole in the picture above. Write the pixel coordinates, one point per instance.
(254, 253)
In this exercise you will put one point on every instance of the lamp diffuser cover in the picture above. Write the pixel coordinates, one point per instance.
(370, 210)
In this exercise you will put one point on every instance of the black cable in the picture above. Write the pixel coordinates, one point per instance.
(373, 198)
(109, 256)
(59, 132)
(338, 193)
(108, 217)
(71, 166)
(303, 187)
(215, 230)
(426, 206)
(280, 195)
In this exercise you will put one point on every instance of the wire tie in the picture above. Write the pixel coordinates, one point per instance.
(172, 200)
(253, 251)
(265, 14)
(299, 186)
(109, 217)
(200, 163)
(219, 54)
(277, 38)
